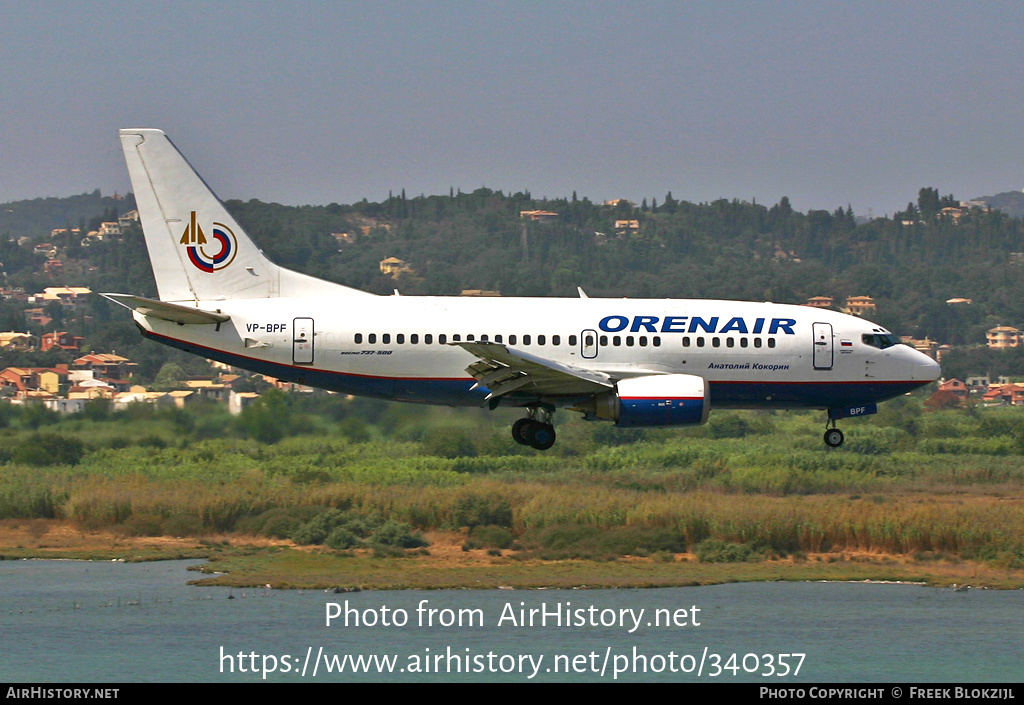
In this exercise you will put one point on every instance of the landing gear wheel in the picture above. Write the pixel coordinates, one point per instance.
(833, 438)
(520, 431)
(541, 435)
(535, 430)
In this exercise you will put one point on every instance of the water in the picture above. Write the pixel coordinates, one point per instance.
(65, 621)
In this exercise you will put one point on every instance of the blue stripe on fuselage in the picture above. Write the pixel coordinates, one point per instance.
(803, 395)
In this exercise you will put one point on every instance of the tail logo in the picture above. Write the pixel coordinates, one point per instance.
(196, 243)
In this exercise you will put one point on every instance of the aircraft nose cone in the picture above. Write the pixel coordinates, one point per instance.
(925, 369)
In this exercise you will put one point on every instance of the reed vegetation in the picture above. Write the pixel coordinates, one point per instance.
(751, 484)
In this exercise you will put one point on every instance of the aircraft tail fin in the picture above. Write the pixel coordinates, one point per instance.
(198, 251)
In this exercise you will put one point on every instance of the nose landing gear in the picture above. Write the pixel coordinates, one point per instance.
(833, 436)
(536, 430)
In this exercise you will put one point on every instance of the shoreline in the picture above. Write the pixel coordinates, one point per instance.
(246, 561)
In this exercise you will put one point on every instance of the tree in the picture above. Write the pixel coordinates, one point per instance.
(785, 209)
(269, 419)
(49, 449)
(170, 376)
(928, 202)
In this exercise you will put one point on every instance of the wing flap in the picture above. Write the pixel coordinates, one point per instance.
(503, 370)
(176, 313)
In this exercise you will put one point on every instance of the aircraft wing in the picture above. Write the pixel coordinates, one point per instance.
(176, 313)
(503, 370)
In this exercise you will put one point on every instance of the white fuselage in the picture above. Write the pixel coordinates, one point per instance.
(753, 355)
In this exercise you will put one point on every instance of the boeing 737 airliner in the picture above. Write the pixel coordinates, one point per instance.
(635, 362)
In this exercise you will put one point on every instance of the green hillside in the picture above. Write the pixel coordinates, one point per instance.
(911, 263)
(37, 217)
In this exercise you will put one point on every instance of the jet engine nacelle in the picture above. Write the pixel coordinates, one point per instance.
(653, 400)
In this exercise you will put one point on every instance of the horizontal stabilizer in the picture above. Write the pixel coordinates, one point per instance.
(176, 313)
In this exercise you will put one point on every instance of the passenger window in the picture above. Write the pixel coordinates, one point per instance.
(442, 339)
(359, 338)
(771, 342)
(700, 342)
(483, 338)
(716, 342)
(629, 341)
(526, 340)
(428, 338)
(603, 340)
(400, 338)
(414, 338)
(757, 342)
(456, 338)
(616, 340)
(643, 341)
(470, 337)
(372, 338)
(730, 343)
(541, 339)
(556, 340)
(744, 342)
(385, 338)
(572, 340)
(497, 338)
(657, 341)
(686, 341)
(511, 340)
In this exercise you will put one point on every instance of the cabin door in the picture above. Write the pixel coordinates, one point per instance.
(822, 346)
(302, 341)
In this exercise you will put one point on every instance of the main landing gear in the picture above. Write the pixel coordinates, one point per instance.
(833, 436)
(536, 430)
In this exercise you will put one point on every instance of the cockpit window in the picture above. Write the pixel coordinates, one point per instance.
(880, 340)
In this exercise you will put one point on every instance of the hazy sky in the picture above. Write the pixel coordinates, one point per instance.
(829, 103)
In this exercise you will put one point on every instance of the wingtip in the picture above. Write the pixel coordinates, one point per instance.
(141, 132)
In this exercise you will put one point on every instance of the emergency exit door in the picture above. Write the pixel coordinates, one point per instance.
(822, 346)
(588, 344)
(302, 341)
